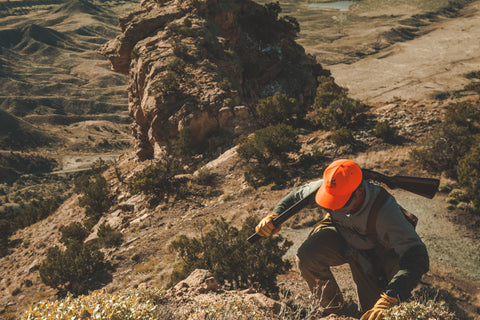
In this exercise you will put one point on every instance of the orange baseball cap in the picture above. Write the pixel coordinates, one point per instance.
(340, 180)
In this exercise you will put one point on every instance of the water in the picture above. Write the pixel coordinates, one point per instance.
(337, 5)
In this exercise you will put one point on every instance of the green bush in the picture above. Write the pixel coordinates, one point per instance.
(341, 112)
(95, 196)
(35, 211)
(156, 179)
(419, 311)
(205, 177)
(271, 144)
(473, 75)
(71, 269)
(127, 304)
(236, 263)
(176, 65)
(342, 137)
(327, 91)
(257, 175)
(186, 28)
(385, 131)
(469, 175)
(276, 109)
(74, 232)
(26, 163)
(168, 84)
(451, 140)
(5, 233)
(109, 237)
(183, 146)
(268, 148)
(225, 85)
(473, 86)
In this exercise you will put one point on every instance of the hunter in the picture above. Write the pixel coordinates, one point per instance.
(363, 226)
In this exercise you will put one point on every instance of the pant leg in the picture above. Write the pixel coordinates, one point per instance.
(366, 271)
(323, 249)
(368, 288)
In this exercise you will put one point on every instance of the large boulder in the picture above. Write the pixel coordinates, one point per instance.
(204, 64)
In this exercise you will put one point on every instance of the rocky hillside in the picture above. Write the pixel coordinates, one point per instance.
(204, 65)
(53, 81)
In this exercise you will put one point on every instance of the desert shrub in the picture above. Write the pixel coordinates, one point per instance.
(327, 91)
(205, 177)
(225, 85)
(451, 140)
(341, 112)
(176, 65)
(342, 137)
(458, 195)
(167, 84)
(74, 232)
(35, 211)
(257, 175)
(276, 109)
(156, 179)
(469, 175)
(385, 131)
(415, 310)
(109, 237)
(267, 27)
(183, 146)
(5, 233)
(236, 263)
(70, 270)
(268, 148)
(26, 163)
(186, 28)
(473, 86)
(127, 304)
(95, 196)
(473, 75)
(270, 144)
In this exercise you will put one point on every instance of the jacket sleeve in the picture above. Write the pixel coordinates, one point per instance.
(413, 264)
(395, 232)
(296, 195)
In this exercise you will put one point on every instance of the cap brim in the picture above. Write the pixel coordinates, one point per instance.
(330, 201)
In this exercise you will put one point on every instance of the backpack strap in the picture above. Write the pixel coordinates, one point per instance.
(372, 217)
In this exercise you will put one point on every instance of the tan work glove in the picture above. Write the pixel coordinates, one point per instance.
(385, 302)
(265, 227)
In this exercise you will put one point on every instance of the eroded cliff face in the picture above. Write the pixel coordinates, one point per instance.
(204, 64)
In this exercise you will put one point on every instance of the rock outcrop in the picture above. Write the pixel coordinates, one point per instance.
(204, 64)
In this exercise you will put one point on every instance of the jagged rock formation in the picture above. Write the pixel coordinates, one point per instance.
(203, 65)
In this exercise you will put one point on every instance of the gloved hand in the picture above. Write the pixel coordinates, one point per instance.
(265, 227)
(385, 302)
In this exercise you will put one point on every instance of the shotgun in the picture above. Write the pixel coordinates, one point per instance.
(425, 187)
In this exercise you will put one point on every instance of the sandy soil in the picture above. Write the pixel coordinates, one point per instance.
(420, 68)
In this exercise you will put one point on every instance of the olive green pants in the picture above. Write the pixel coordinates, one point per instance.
(325, 248)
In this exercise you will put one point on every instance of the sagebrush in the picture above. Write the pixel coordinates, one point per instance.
(235, 263)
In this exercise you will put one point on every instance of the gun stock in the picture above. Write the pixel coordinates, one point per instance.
(426, 187)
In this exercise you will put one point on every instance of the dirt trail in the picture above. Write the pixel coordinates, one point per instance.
(416, 69)
(447, 243)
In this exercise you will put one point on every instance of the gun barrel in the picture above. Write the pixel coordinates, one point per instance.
(426, 187)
